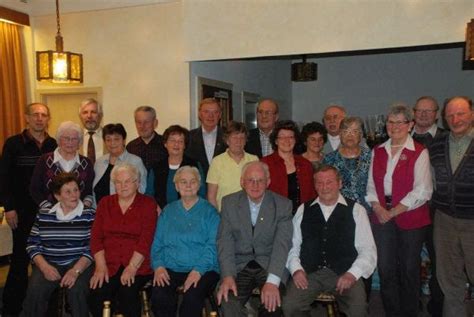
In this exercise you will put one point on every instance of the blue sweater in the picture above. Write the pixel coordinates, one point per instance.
(58, 241)
(186, 240)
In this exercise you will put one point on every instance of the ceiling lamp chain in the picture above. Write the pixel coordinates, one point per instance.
(59, 66)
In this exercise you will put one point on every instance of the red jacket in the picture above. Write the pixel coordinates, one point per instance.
(402, 183)
(279, 178)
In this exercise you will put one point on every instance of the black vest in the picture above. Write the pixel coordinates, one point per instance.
(328, 244)
(454, 193)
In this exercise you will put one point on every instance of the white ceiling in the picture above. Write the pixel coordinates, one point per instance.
(47, 7)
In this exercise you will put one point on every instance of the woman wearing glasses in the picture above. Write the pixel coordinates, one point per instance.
(120, 244)
(291, 175)
(398, 189)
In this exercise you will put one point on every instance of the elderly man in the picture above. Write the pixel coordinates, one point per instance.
(333, 115)
(452, 159)
(425, 128)
(332, 248)
(258, 142)
(20, 154)
(90, 113)
(424, 131)
(253, 241)
(207, 141)
(149, 145)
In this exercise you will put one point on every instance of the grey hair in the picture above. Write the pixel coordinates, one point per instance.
(89, 101)
(125, 167)
(348, 121)
(401, 108)
(264, 166)
(277, 108)
(146, 109)
(187, 168)
(30, 106)
(428, 98)
(69, 126)
(335, 106)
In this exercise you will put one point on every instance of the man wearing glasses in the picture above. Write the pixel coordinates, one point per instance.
(258, 142)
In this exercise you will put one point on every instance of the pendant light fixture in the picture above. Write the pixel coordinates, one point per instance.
(59, 66)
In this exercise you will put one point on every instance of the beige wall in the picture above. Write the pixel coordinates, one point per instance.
(135, 55)
(217, 29)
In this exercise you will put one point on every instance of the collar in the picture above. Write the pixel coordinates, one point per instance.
(28, 137)
(409, 144)
(57, 157)
(334, 138)
(265, 134)
(468, 136)
(432, 130)
(97, 132)
(340, 200)
(77, 212)
(213, 132)
(254, 204)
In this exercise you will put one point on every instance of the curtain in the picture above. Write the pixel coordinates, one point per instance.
(12, 82)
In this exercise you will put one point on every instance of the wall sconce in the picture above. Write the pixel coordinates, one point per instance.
(59, 66)
(304, 71)
(469, 48)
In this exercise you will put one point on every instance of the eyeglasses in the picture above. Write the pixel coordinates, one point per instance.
(255, 181)
(266, 113)
(349, 131)
(397, 123)
(331, 117)
(126, 182)
(191, 182)
(424, 110)
(38, 115)
(69, 139)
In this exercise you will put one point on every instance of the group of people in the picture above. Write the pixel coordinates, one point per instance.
(292, 214)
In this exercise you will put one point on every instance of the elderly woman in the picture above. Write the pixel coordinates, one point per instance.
(64, 159)
(114, 136)
(59, 248)
(352, 160)
(184, 250)
(160, 183)
(120, 243)
(314, 136)
(291, 175)
(223, 177)
(398, 189)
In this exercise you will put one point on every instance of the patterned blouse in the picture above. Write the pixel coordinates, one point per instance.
(354, 173)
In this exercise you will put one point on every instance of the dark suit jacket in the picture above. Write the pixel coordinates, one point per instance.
(253, 145)
(268, 243)
(196, 150)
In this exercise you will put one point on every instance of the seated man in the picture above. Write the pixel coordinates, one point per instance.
(253, 241)
(332, 248)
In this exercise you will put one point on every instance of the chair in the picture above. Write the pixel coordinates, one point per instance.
(210, 298)
(328, 300)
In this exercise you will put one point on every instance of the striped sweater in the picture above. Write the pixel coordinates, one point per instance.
(58, 241)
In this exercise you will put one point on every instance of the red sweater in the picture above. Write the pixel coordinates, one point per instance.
(279, 178)
(119, 235)
(402, 183)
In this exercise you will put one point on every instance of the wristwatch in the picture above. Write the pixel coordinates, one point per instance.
(78, 272)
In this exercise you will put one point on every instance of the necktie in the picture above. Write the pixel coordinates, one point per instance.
(91, 147)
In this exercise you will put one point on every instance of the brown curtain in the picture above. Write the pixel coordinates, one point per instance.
(12, 82)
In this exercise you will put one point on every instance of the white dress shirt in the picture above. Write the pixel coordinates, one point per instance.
(209, 139)
(422, 184)
(66, 165)
(98, 142)
(335, 141)
(432, 130)
(366, 260)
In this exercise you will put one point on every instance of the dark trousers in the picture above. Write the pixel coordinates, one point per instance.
(40, 291)
(164, 300)
(124, 299)
(399, 265)
(17, 280)
(247, 279)
(435, 304)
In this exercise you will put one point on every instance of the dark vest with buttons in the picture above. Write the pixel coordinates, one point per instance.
(328, 244)
(454, 190)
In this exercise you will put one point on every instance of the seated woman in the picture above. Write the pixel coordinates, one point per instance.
(59, 248)
(120, 243)
(223, 177)
(65, 158)
(291, 175)
(184, 250)
(314, 136)
(160, 183)
(114, 136)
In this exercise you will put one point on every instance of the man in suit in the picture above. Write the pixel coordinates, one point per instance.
(253, 241)
(333, 115)
(90, 113)
(207, 141)
(425, 131)
(258, 142)
(333, 248)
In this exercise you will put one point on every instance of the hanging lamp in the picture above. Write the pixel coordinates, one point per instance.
(59, 66)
